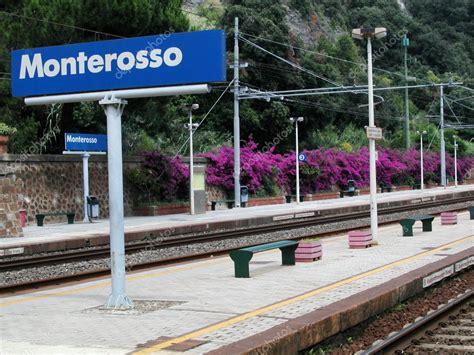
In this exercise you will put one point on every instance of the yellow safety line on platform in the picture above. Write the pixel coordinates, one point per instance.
(259, 311)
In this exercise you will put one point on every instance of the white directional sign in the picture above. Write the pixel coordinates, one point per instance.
(302, 157)
(374, 132)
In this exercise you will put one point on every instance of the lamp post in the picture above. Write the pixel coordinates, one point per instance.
(369, 34)
(191, 127)
(455, 162)
(421, 159)
(295, 121)
(441, 137)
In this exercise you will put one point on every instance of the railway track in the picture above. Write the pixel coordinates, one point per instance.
(447, 330)
(11, 264)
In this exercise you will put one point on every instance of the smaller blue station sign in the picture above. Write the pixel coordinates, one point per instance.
(85, 142)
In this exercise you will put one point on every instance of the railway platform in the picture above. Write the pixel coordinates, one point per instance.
(63, 236)
(200, 307)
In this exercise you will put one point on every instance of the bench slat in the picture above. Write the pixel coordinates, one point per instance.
(270, 246)
(418, 218)
(55, 213)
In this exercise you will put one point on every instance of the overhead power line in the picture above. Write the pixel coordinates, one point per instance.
(59, 24)
(294, 65)
(328, 56)
(205, 116)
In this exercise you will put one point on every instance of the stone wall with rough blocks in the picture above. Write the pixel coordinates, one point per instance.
(10, 225)
(214, 193)
(54, 183)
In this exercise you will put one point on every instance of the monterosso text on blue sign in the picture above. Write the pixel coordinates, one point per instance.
(85, 142)
(179, 58)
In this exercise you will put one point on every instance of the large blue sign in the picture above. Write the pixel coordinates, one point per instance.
(85, 142)
(162, 60)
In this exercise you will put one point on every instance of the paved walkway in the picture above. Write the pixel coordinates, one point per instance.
(64, 231)
(202, 304)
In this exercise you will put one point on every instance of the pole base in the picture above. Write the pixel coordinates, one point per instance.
(119, 302)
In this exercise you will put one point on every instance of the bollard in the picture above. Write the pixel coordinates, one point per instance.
(22, 217)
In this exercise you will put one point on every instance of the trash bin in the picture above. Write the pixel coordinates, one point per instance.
(93, 206)
(244, 195)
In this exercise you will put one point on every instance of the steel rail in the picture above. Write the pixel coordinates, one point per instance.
(413, 330)
(103, 251)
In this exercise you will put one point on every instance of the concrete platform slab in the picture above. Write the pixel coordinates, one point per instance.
(201, 307)
(64, 236)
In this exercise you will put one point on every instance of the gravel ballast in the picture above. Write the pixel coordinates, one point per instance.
(156, 253)
(364, 335)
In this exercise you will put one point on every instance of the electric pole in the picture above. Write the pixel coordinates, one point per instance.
(405, 44)
(236, 115)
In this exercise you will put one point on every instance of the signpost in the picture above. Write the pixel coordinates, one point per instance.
(85, 145)
(110, 72)
(374, 132)
(302, 157)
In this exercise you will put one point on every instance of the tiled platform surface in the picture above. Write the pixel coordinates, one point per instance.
(208, 305)
(52, 233)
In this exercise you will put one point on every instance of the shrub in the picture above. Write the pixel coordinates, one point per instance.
(6, 130)
(161, 178)
(259, 170)
(267, 174)
(325, 169)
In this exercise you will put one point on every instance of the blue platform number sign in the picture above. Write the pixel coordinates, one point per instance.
(140, 62)
(302, 157)
(85, 142)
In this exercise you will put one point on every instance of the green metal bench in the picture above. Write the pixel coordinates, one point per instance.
(471, 212)
(386, 188)
(350, 193)
(407, 224)
(243, 256)
(350, 189)
(40, 217)
(289, 198)
(230, 203)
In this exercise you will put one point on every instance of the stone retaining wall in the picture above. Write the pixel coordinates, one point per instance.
(54, 183)
(9, 216)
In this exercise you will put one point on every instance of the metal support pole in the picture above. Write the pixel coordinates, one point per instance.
(373, 171)
(236, 116)
(113, 109)
(442, 143)
(455, 163)
(407, 105)
(297, 165)
(85, 174)
(191, 162)
(422, 183)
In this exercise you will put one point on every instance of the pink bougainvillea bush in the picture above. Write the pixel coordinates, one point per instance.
(161, 178)
(326, 169)
(259, 170)
(267, 173)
